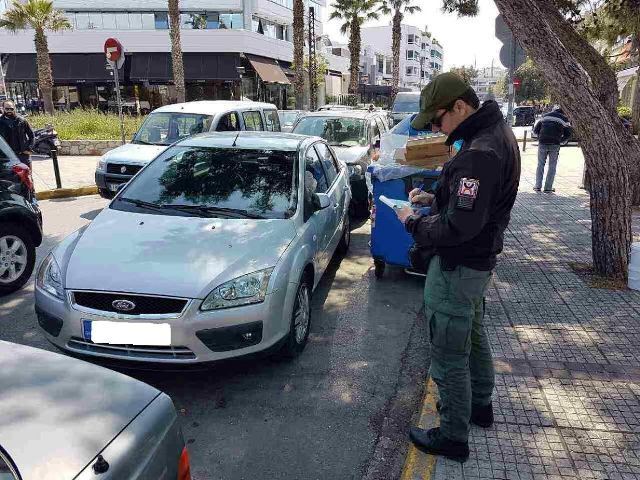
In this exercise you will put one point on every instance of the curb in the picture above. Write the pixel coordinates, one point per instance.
(419, 465)
(66, 192)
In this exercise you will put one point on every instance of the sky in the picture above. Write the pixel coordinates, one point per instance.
(465, 40)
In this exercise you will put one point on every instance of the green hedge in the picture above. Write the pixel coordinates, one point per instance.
(87, 125)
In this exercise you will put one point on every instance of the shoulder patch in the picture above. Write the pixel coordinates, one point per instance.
(467, 193)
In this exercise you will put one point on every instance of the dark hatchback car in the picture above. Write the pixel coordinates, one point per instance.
(20, 222)
(524, 116)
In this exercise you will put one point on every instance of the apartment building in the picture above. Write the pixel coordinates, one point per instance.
(487, 79)
(421, 56)
(231, 49)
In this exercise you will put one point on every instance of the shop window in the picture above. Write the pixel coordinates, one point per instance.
(109, 21)
(161, 20)
(252, 121)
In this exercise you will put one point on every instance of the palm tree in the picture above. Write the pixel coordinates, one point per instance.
(176, 49)
(298, 52)
(354, 13)
(40, 16)
(398, 8)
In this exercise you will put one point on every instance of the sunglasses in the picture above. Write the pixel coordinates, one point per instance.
(9, 110)
(437, 122)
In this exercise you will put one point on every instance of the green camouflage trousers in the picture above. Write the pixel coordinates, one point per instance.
(461, 363)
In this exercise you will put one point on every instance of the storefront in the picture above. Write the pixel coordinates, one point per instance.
(86, 81)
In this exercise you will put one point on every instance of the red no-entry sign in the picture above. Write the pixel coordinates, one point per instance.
(113, 50)
(517, 82)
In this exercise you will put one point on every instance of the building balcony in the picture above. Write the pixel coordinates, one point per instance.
(151, 41)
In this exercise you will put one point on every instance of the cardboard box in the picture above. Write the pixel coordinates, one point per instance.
(430, 152)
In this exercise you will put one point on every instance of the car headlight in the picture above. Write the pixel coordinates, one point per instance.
(355, 170)
(49, 277)
(102, 164)
(244, 290)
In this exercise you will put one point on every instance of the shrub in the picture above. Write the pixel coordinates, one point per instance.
(624, 111)
(87, 125)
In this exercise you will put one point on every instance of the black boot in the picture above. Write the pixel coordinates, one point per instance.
(433, 442)
(481, 415)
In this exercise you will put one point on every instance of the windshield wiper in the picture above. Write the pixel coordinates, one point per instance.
(141, 203)
(209, 210)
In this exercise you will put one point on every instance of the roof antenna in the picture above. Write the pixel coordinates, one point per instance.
(236, 139)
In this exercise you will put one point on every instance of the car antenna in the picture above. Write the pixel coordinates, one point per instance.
(236, 139)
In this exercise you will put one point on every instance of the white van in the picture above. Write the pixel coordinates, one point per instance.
(169, 124)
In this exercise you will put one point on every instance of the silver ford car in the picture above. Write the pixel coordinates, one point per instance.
(211, 251)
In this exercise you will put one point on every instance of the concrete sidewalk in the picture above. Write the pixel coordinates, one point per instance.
(567, 398)
(75, 171)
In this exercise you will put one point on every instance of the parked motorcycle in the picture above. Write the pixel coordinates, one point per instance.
(46, 139)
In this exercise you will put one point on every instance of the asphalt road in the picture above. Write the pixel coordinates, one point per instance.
(340, 411)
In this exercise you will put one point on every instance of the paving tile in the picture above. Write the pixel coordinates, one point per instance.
(604, 455)
(520, 401)
(530, 451)
(593, 405)
(559, 343)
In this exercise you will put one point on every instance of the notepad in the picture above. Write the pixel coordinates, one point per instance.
(393, 203)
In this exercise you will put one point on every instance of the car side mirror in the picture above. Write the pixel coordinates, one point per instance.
(321, 201)
(376, 144)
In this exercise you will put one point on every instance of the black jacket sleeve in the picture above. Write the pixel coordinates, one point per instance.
(468, 209)
(537, 126)
(29, 134)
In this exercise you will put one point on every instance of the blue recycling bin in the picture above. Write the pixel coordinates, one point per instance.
(390, 242)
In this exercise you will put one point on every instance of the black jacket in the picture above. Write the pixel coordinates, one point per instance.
(552, 129)
(17, 133)
(476, 191)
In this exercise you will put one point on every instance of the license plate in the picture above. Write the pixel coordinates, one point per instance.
(127, 333)
(114, 187)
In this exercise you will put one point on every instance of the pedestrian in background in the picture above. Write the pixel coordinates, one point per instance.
(459, 242)
(17, 132)
(552, 130)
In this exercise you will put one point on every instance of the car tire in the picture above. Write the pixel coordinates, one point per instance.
(104, 193)
(15, 236)
(345, 239)
(299, 327)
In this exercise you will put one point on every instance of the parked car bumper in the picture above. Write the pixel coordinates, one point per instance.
(196, 336)
(110, 181)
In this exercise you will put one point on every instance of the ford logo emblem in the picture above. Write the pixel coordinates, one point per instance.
(123, 169)
(123, 305)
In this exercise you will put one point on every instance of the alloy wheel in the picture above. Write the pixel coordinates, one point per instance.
(13, 258)
(301, 314)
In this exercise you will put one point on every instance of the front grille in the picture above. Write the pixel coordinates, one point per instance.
(132, 351)
(144, 305)
(128, 169)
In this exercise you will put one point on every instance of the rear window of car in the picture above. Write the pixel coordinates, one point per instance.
(5, 151)
(272, 120)
(406, 103)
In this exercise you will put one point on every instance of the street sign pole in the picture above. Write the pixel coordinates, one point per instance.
(512, 69)
(115, 57)
(116, 79)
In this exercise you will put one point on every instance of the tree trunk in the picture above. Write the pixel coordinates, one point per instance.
(605, 149)
(354, 49)
(635, 109)
(604, 80)
(298, 52)
(176, 49)
(396, 38)
(45, 81)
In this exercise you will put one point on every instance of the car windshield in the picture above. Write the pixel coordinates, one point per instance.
(227, 182)
(165, 128)
(337, 131)
(406, 104)
(288, 118)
